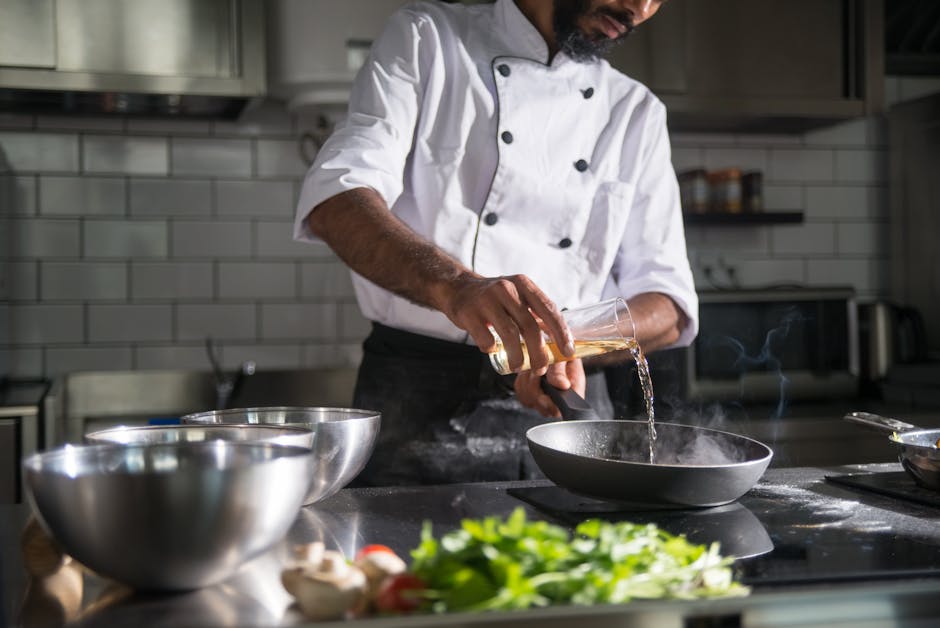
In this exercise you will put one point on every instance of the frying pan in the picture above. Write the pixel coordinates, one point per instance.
(917, 447)
(609, 459)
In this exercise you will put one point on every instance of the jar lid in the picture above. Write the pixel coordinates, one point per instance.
(725, 174)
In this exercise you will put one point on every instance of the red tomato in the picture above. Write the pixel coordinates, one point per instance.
(375, 547)
(400, 593)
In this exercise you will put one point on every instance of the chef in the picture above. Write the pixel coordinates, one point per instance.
(492, 171)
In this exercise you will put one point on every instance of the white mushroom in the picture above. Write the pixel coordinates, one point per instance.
(327, 590)
(378, 566)
(310, 553)
(42, 556)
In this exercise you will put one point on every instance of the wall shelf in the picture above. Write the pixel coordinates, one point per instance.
(757, 218)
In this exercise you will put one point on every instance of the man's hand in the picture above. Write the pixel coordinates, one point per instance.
(563, 375)
(373, 242)
(515, 308)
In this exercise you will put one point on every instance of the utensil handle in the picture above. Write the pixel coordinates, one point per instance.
(878, 422)
(573, 406)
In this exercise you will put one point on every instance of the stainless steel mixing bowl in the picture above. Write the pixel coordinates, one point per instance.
(344, 438)
(293, 435)
(173, 516)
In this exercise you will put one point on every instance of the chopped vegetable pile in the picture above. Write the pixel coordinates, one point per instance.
(496, 564)
(491, 564)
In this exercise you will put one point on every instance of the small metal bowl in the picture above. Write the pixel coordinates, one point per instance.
(292, 435)
(173, 516)
(344, 439)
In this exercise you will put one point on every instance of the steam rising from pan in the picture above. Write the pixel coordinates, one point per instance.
(628, 441)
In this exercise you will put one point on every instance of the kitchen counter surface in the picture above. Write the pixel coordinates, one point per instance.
(820, 554)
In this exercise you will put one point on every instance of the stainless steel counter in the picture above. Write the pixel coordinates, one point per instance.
(393, 516)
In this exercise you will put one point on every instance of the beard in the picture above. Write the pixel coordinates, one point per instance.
(582, 46)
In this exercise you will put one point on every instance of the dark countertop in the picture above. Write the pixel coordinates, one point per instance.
(837, 555)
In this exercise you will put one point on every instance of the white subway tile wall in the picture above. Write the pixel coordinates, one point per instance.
(287, 355)
(170, 197)
(260, 199)
(219, 321)
(83, 281)
(23, 195)
(82, 196)
(125, 155)
(172, 281)
(211, 157)
(133, 240)
(211, 239)
(35, 152)
(130, 323)
(837, 176)
(46, 324)
(313, 321)
(44, 239)
(23, 278)
(63, 360)
(257, 280)
(126, 239)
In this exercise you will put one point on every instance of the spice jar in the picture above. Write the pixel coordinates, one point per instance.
(752, 195)
(725, 186)
(693, 191)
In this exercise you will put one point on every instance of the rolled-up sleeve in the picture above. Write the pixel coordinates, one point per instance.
(652, 256)
(370, 147)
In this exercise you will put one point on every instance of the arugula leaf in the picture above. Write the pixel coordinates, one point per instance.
(491, 563)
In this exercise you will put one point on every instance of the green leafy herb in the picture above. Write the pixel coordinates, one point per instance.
(491, 563)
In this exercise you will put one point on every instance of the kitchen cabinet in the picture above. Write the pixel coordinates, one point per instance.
(27, 33)
(761, 64)
(914, 144)
(172, 48)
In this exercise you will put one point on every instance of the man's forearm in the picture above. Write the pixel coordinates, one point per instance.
(659, 322)
(358, 226)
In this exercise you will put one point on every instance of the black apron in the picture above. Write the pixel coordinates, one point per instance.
(447, 416)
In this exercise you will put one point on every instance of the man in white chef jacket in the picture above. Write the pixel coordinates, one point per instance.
(493, 170)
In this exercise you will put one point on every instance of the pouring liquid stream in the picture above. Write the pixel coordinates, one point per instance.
(646, 384)
(585, 349)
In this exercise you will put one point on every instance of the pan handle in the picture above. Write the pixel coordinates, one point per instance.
(878, 422)
(573, 406)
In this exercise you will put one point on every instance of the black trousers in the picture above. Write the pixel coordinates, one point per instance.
(447, 416)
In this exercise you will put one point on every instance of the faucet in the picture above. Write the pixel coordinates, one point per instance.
(226, 386)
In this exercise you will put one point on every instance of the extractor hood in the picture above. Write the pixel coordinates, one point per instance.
(315, 47)
(172, 57)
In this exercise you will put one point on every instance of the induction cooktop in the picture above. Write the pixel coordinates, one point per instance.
(897, 484)
(783, 535)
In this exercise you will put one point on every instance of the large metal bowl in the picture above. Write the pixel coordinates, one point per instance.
(293, 435)
(173, 516)
(344, 439)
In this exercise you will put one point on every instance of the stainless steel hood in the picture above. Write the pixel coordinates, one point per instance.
(173, 57)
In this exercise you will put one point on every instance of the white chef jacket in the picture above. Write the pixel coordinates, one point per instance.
(513, 165)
